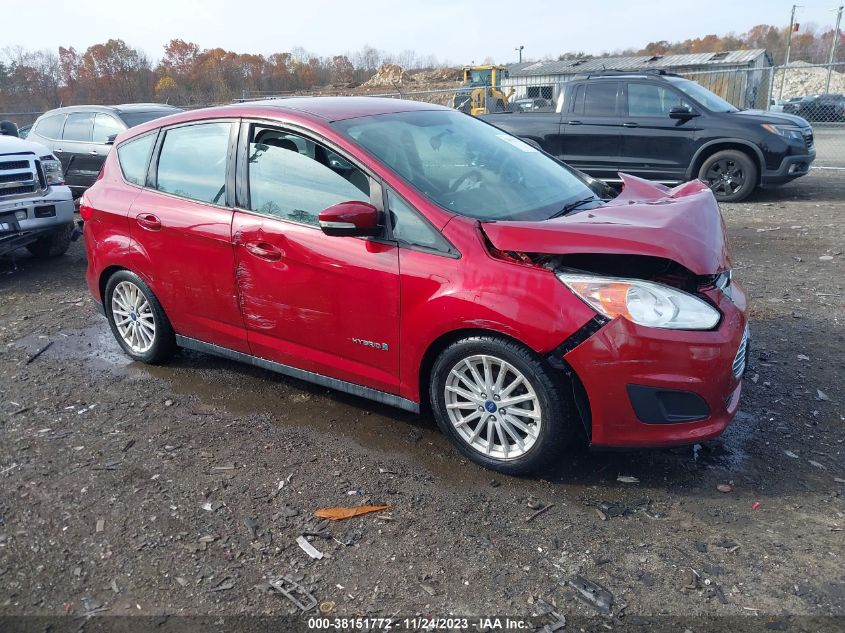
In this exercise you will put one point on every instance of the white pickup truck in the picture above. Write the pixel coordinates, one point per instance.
(36, 207)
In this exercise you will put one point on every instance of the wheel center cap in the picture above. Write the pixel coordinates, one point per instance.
(133, 316)
(490, 406)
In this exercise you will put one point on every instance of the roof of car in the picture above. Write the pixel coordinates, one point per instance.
(340, 108)
(124, 107)
(319, 110)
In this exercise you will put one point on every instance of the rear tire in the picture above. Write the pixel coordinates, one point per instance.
(515, 430)
(54, 244)
(137, 319)
(730, 174)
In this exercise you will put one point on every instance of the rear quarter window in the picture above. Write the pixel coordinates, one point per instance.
(51, 126)
(134, 158)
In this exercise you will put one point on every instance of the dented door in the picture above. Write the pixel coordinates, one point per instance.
(329, 305)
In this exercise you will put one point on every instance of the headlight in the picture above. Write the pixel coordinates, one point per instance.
(52, 170)
(787, 131)
(643, 302)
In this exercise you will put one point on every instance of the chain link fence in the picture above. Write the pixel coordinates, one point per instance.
(815, 92)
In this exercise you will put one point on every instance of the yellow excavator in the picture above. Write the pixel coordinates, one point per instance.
(481, 92)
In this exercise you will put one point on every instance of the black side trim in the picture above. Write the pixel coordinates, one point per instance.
(301, 374)
(555, 358)
(667, 406)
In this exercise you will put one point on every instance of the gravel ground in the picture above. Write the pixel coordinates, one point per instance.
(181, 489)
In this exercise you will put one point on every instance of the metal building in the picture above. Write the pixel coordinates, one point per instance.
(741, 77)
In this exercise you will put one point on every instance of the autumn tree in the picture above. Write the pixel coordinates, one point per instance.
(342, 69)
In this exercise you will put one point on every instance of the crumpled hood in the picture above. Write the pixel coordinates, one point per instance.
(681, 224)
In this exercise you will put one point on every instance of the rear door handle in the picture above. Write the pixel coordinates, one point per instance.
(263, 250)
(630, 124)
(148, 221)
(574, 122)
(93, 152)
(58, 150)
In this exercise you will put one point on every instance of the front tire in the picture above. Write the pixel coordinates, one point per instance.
(730, 174)
(137, 319)
(52, 245)
(501, 405)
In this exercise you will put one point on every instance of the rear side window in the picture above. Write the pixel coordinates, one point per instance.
(105, 126)
(134, 157)
(78, 127)
(51, 126)
(192, 163)
(596, 99)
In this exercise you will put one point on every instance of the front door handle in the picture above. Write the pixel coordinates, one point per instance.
(263, 250)
(58, 150)
(574, 122)
(148, 221)
(630, 124)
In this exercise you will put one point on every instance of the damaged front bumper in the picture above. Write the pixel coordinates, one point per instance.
(23, 221)
(649, 387)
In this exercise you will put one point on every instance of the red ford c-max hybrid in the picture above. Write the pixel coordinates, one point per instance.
(415, 255)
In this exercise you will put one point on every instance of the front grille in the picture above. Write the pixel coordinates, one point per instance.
(808, 140)
(17, 191)
(14, 164)
(13, 176)
(739, 359)
(20, 177)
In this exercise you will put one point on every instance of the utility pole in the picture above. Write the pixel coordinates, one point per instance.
(519, 48)
(788, 46)
(833, 46)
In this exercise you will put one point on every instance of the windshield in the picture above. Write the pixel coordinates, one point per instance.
(711, 101)
(467, 166)
(481, 77)
(136, 118)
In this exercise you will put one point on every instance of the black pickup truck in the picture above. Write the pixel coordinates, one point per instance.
(666, 128)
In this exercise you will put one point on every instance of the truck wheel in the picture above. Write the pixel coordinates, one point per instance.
(731, 175)
(54, 244)
(137, 319)
(501, 405)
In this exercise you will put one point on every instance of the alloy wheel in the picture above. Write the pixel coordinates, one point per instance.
(725, 176)
(493, 407)
(133, 317)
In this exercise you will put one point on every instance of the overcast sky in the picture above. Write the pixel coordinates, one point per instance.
(460, 32)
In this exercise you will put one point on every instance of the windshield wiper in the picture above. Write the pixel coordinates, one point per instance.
(574, 205)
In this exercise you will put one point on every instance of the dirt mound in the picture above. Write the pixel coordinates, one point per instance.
(802, 80)
(389, 75)
(438, 75)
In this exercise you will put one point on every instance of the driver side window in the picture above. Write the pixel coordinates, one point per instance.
(293, 178)
(649, 100)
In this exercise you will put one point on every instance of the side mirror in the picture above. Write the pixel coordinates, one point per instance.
(7, 128)
(350, 219)
(682, 112)
(110, 139)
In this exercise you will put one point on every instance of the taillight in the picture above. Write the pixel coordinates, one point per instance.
(85, 211)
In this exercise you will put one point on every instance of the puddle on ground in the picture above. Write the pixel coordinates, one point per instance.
(246, 390)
